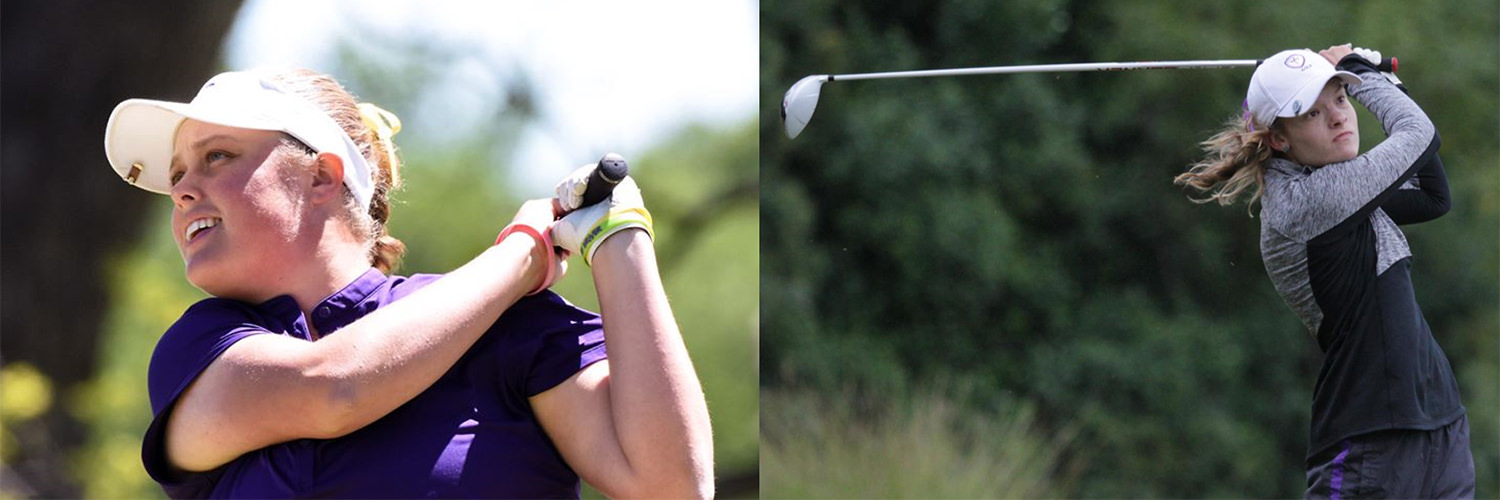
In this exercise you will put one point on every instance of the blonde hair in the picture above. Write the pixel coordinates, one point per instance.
(384, 251)
(1235, 163)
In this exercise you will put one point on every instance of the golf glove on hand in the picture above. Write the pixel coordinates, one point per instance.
(571, 188)
(583, 229)
(1371, 55)
(1374, 57)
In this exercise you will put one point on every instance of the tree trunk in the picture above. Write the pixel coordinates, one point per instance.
(65, 214)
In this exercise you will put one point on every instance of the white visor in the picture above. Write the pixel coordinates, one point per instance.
(141, 132)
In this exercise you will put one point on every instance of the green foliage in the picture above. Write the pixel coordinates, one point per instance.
(1022, 231)
(28, 392)
(923, 444)
(25, 393)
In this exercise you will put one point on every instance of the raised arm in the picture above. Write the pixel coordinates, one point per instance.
(268, 389)
(1345, 191)
(1425, 198)
(636, 425)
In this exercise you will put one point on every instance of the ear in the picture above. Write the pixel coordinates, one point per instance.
(327, 179)
(1278, 140)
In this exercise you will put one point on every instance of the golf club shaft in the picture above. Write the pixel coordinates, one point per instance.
(1387, 64)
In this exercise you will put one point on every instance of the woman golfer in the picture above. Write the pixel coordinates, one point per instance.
(1386, 416)
(312, 373)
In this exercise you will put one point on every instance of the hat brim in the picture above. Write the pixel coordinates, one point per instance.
(141, 133)
(1309, 94)
(138, 141)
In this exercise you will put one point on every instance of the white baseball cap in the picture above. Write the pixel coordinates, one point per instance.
(1288, 83)
(141, 132)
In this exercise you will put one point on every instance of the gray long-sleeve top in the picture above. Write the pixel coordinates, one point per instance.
(1335, 254)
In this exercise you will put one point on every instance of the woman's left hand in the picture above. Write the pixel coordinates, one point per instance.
(583, 230)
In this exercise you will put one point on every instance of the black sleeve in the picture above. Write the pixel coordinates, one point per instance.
(1411, 206)
(1430, 201)
(1357, 64)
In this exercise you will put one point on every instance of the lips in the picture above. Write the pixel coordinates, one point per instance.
(1343, 136)
(198, 226)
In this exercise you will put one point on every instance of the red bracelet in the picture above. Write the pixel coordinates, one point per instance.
(542, 237)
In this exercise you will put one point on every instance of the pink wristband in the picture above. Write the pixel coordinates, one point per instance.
(543, 237)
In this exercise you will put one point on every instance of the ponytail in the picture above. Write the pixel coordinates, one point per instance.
(1235, 163)
(383, 125)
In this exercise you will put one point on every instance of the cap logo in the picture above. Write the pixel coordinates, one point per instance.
(135, 173)
(1296, 108)
(1296, 61)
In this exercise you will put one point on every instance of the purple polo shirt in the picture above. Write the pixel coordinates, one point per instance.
(472, 434)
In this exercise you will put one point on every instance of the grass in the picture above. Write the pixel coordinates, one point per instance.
(922, 445)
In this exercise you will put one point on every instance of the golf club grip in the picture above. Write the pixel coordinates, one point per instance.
(610, 171)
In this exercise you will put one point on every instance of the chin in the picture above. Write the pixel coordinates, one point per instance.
(203, 278)
(211, 278)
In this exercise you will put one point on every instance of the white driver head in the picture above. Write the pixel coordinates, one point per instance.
(800, 101)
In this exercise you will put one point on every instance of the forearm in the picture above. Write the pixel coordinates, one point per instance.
(659, 412)
(1390, 104)
(1428, 201)
(1346, 191)
(385, 359)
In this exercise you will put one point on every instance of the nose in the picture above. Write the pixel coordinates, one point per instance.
(1337, 117)
(185, 192)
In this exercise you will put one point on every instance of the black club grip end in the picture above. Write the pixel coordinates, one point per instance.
(610, 171)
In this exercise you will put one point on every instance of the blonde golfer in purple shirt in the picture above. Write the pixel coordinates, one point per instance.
(311, 372)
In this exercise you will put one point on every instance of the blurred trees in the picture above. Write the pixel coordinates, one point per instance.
(66, 64)
(1021, 233)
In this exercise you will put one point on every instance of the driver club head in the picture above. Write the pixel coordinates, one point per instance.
(800, 101)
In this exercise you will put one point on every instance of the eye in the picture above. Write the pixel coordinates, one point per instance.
(1341, 99)
(176, 177)
(214, 156)
(1312, 114)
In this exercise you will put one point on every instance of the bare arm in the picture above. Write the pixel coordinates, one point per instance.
(636, 425)
(271, 388)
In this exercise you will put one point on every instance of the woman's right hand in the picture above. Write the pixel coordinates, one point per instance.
(1336, 53)
(539, 215)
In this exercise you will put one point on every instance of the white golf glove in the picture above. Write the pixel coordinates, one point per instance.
(570, 189)
(583, 229)
(1373, 56)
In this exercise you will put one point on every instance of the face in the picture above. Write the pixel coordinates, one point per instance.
(1326, 133)
(237, 211)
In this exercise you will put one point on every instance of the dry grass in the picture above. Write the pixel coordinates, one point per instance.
(920, 446)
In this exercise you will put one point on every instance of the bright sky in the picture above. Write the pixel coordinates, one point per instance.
(674, 62)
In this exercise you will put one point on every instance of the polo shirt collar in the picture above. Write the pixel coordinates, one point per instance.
(352, 302)
(283, 315)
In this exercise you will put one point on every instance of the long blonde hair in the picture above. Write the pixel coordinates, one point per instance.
(1234, 164)
(323, 91)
